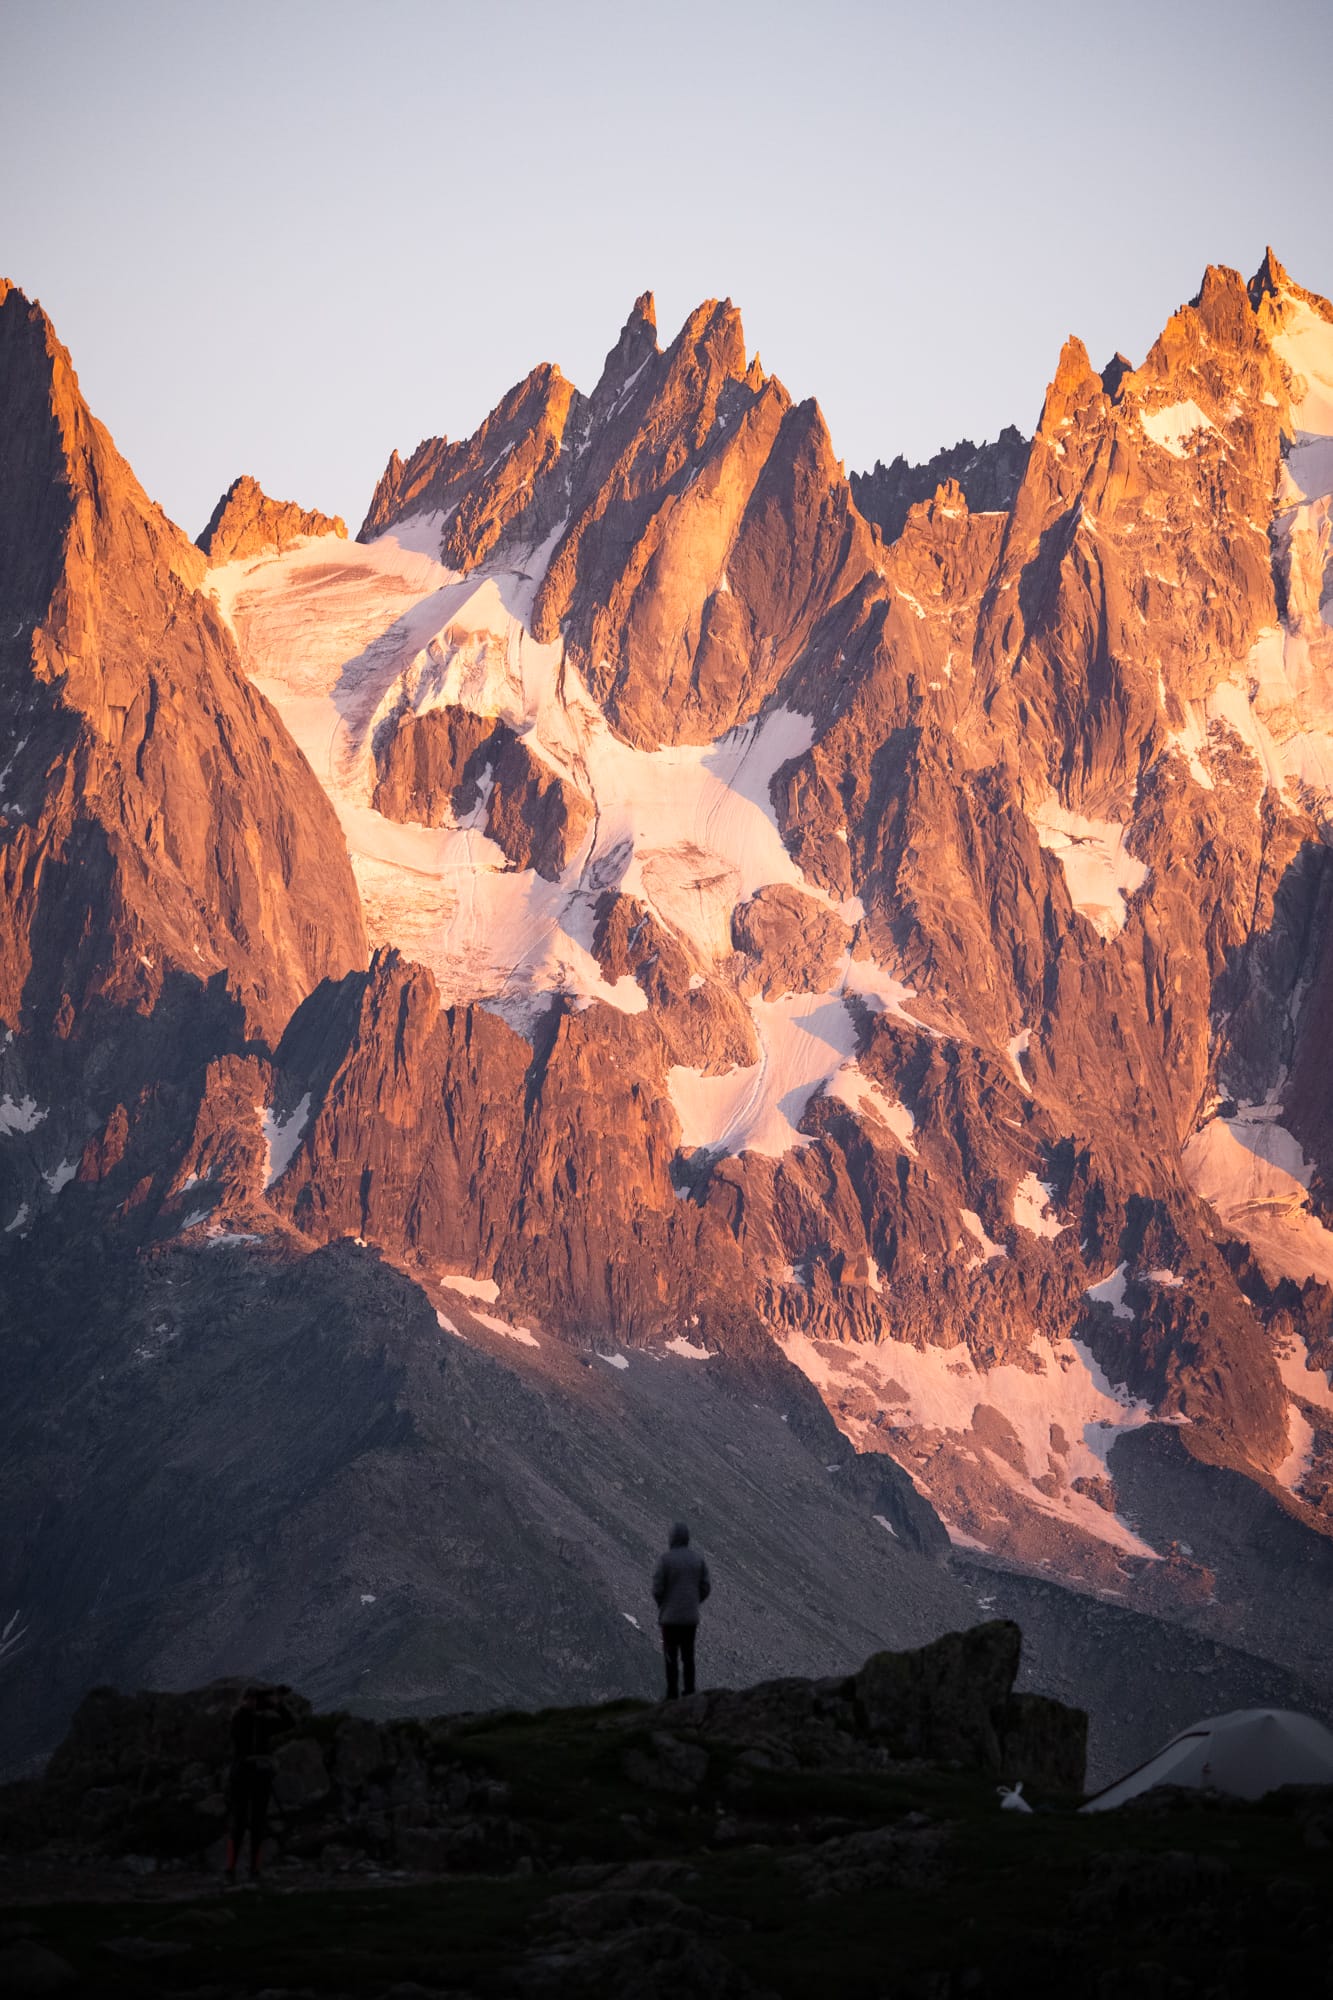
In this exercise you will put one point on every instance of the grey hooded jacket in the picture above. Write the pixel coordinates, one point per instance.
(680, 1581)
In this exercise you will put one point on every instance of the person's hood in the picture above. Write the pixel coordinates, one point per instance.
(680, 1536)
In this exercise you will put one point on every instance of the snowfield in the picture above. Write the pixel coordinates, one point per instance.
(343, 637)
(1255, 1177)
(1066, 1401)
(1099, 870)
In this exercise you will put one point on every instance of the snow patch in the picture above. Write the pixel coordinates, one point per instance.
(613, 1360)
(1018, 1047)
(866, 980)
(972, 1223)
(20, 1114)
(686, 1349)
(521, 1334)
(19, 1220)
(1308, 1385)
(1254, 1176)
(887, 1525)
(863, 1097)
(1111, 1292)
(61, 1176)
(1305, 343)
(1099, 870)
(1032, 1207)
(1176, 427)
(804, 1041)
(445, 1324)
(282, 1136)
(939, 1389)
(471, 1288)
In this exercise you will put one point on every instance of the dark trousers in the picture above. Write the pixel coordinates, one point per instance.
(247, 1813)
(678, 1645)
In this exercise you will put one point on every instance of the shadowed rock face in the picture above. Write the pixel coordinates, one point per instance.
(950, 1704)
(987, 475)
(908, 955)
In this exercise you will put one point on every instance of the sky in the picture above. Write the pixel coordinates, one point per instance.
(284, 238)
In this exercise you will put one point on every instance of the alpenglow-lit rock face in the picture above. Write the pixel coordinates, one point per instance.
(887, 941)
(246, 522)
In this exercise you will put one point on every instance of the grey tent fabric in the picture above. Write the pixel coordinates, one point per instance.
(1246, 1753)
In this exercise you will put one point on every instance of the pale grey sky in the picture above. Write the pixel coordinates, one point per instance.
(285, 237)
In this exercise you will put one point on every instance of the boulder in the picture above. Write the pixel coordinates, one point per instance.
(792, 942)
(945, 1701)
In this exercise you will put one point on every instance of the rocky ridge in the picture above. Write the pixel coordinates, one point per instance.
(246, 522)
(987, 475)
(906, 952)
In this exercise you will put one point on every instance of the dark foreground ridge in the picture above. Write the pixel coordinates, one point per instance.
(776, 1841)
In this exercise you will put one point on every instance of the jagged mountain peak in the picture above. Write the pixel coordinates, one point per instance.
(192, 812)
(1114, 373)
(988, 475)
(636, 346)
(492, 485)
(246, 522)
(1270, 278)
(44, 405)
(1074, 387)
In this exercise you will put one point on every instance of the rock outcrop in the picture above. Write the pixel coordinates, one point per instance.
(987, 475)
(146, 1773)
(445, 766)
(246, 522)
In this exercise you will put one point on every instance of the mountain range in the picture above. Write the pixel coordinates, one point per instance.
(664, 979)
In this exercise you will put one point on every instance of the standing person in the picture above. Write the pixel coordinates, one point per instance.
(261, 1717)
(680, 1585)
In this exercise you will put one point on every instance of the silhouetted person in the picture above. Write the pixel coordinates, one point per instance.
(261, 1717)
(680, 1585)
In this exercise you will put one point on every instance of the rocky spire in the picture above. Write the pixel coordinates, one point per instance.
(129, 685)
(1270, 278)
(637, 344)
(246, 522)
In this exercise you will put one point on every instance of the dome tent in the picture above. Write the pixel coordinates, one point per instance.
(1246, 1753)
